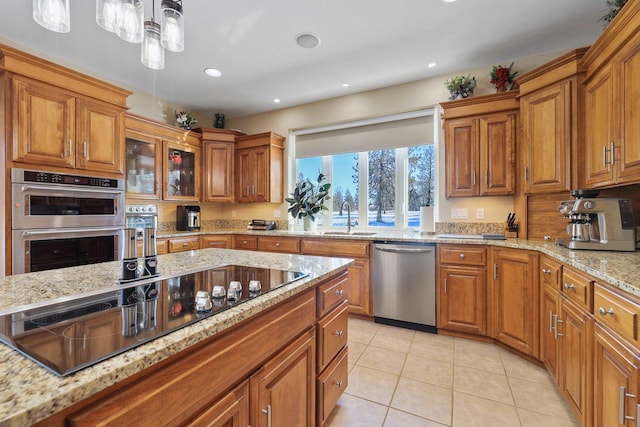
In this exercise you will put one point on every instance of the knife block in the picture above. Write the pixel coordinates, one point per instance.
(512, 232)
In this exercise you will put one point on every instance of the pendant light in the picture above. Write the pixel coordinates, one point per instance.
(52, 14)
(152, 52)
(172, 23)
(131, 20)
(107, 14)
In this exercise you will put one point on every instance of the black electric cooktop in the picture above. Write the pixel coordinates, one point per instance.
(68, 336)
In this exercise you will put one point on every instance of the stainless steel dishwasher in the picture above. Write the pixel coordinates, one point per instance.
(404, 284)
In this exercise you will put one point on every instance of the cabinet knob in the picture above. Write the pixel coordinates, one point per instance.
(604, 311)
(462, 256)
(339, 384)
(546, 271)
(277, 244)
(569, 286)
(339, 333)
(339, 292)
(244, 242)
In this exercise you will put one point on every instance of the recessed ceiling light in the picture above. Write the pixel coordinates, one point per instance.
(307, 40)
(448, 1)
(276, 100)
(345, 85)
(212, 72)
(432, 64)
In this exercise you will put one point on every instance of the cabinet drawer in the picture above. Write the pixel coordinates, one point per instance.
(550, 272)
(577, 287)
(462, 255)
(338, 248)
(332, 335)
(215, 241)
(184, 244)
(331, 384)
(617, 312)
(279, 244)
(245, 242)
(332, 293)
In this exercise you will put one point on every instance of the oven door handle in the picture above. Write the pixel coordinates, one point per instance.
(25, 188)
(69, 230)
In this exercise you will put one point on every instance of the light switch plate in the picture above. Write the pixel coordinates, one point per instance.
(480, 213)
(276, 213)
(459, 213)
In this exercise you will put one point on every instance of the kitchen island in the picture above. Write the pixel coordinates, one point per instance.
(30, 393)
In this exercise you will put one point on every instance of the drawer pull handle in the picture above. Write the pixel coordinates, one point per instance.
(185, 244)
(340, 292)
(339, 383)
(623, 405)
(569, 286)
(339, 334)
(604, 311)
(267, 412)
(546, 271)
(244, 242)
(277, 244)
(461, 256)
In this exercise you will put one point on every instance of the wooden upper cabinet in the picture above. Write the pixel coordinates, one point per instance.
(612, 99)
(218, 153)
(52, 127)
(480, 145)
(181, 172)
(550, 124)
(259, 167)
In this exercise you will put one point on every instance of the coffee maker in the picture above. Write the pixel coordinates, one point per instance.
(598, 224)
(188, 218)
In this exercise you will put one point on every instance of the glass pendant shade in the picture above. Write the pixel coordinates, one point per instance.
(172, 23)
(52, 14)
(107, 14)
(131, 20)
(152, 53)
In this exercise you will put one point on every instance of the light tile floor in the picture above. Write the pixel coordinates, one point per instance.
(403, 378)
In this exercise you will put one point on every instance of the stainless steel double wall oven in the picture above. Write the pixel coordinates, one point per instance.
(62, 220)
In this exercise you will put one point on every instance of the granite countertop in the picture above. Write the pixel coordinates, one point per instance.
(29, 392)
(621, 269)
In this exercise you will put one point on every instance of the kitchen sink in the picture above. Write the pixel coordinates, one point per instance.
(349, 233)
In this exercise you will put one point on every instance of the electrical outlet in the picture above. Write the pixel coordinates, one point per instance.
(480, 213)
(459, 213)
(276, 213)
(233, 213)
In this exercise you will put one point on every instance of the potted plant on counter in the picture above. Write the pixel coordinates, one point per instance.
(307, 200)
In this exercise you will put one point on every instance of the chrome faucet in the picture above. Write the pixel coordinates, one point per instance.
(348, 215)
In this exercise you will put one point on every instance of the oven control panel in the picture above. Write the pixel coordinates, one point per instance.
(27, 176)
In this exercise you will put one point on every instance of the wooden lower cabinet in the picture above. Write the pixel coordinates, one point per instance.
(515, 299)
(181, 244)
(549, 330)
(575, 349)
(616, 380)
(331, 384)
(462, 299)
(283, 390)
(230, 411)
(215, 241)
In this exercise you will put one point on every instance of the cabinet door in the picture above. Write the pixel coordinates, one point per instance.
(462, 299)
(44, 125)
(461, 153)
(599, 129)
(143, 165)
(497, 155)
(261, 178)
(218, 170)
(627, 156)
(359, 292)
(616, 381)
(181, 172)
(232, 410)
(546, 125)
(283, 391)
(548, 329)
(244, 175)
(515, 299)
(574, 370)
(99, 137)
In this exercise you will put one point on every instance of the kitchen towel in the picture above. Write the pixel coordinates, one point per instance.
(426, 219)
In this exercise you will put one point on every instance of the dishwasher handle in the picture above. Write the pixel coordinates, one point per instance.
(397, 250)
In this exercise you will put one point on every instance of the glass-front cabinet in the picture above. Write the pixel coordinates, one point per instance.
(143, 165)
(181, 172)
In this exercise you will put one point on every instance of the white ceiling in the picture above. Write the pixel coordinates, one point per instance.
(367, 43)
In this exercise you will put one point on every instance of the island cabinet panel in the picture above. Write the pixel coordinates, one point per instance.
(515, 299)
(230, 411)
(275, 348)
(283, 390)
